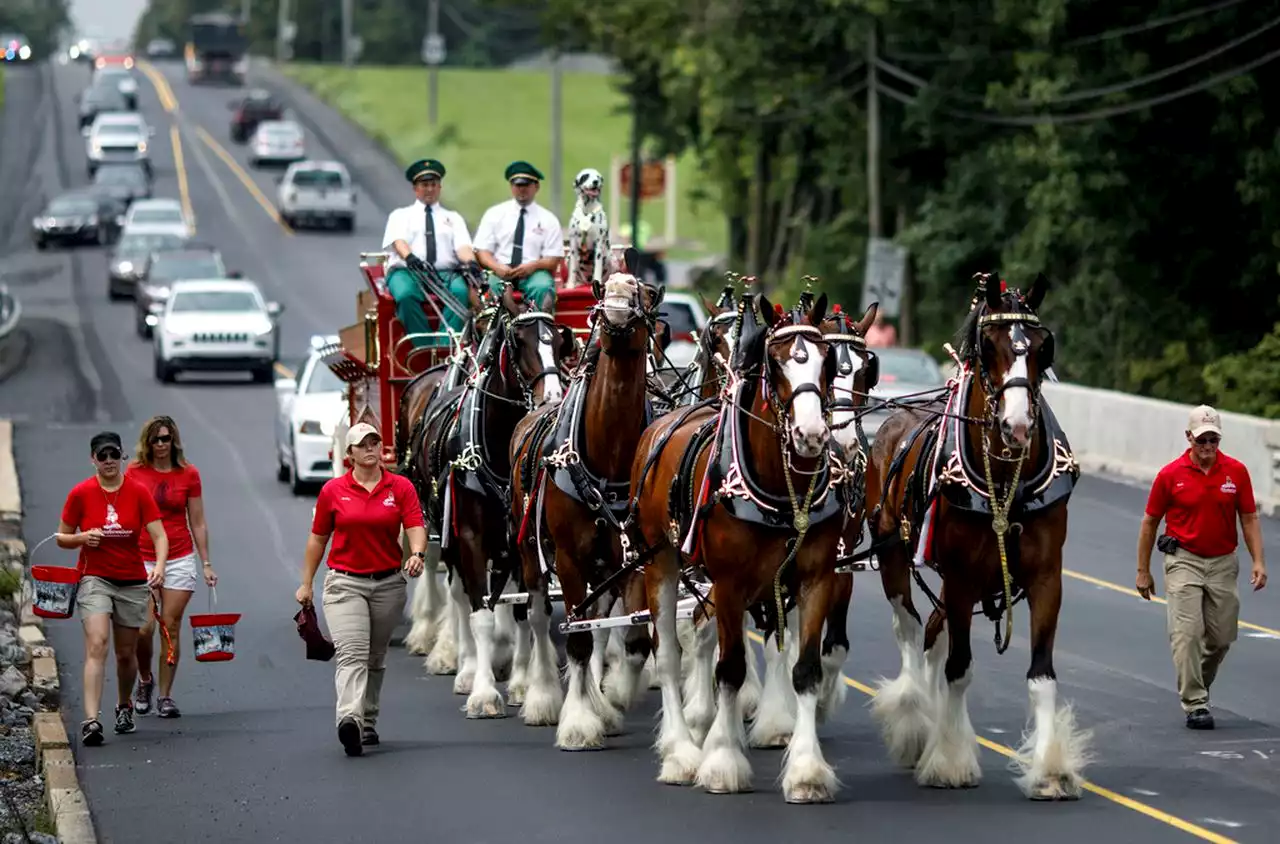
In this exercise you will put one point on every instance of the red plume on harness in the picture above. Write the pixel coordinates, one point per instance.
(835, 309)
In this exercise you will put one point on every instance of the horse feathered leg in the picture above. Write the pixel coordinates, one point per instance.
(950, 757)
(835, 650)
(466, 641)
(725, 768)
(519, 682)
(544, 697)
(904, 706)
(623, 680)
(429, 601)
(749, 695)
(776, 717)
(586, 717)
(807, 777)
(677, 750)
(443, 658)
(700, 688)
(504, 641)
(1054, 753)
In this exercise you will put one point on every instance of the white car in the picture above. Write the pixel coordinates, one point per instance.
(121, 78)
(215, 324)
(903, 372)
(308, 408)
(277, 141)
(117, 137)
(314, 192)
(158, 215)
(686, 317)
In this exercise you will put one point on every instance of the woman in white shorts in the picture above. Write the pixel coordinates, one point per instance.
(174, 483)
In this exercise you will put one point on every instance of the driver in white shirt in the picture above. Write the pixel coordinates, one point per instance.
(520, 242)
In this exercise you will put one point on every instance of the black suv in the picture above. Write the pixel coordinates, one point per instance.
(255, 108)
(128, 260)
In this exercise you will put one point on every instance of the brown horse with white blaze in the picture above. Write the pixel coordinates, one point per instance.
(571, 471)
(748, 486)
(977, 484)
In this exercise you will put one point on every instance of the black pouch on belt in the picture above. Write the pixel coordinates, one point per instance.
(1167, 543)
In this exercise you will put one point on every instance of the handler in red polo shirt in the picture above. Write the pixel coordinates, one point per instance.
(364, 589)
(1199, 496)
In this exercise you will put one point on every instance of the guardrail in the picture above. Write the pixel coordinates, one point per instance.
(1134, 437)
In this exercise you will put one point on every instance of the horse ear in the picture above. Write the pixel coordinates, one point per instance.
(568, 343)
(663, 334)
(631, 260)
(711, 309)
(868, 318)
(767, 312)
(993, 291)
(818, 312)
(1035, 295)
(509, 301)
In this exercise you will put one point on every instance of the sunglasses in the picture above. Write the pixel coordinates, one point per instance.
(163, 438)
(108, 454)
(1207, 440)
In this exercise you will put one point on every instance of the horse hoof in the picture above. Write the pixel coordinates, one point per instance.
(1061, 787)
(462, 684)
(515, 694)
(770, 741)
(809, 793)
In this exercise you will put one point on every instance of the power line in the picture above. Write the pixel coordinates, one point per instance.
(1091, 93)
(1089, 116)
(964, 54)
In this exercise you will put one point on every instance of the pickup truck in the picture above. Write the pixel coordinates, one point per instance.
(317, 192)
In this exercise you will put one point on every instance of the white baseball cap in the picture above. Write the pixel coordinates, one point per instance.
(1204, 419)
(359, 431)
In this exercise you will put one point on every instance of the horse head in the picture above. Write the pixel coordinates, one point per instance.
(797, 374)
(626, 302)
(854, 371)
(1009, 351)
(532, 349)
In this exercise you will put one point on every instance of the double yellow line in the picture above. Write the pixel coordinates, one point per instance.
(170, 104)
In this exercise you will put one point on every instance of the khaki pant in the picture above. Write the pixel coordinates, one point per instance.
(1204, 611)
(362, 614)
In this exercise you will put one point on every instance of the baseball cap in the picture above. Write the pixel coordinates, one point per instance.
(1204, 419)
(359, 431)
(103, 439)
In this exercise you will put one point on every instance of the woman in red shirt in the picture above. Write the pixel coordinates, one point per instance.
(160, 465)
(104, 517)
(364, 590)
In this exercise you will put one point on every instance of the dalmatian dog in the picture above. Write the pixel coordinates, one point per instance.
(588, 231)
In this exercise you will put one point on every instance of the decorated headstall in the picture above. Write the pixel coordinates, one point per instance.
(499, 345)
(846, 342)
(806, 339)
(1002, 307)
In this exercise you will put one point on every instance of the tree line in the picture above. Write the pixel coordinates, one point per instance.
(43, 22)
(1129, 151)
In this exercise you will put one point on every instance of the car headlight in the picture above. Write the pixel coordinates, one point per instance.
(264, 332)
(157, 291)
(124, 267)
(142, 146)
(24, 52)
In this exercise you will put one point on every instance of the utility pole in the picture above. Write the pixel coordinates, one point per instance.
(873, 139)
(635, 170)
(557, 176)
(244, 10)
(283, 36)
(433, 74)
(347, 58)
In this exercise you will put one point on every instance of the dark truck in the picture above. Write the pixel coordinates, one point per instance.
(217, 49)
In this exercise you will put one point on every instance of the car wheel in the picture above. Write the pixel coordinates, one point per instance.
(296, 486)
(113, 293)
(41, 245)
(282, 470)
(164, 371)
(263, 374)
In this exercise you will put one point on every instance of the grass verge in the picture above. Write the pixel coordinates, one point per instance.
(489, 118)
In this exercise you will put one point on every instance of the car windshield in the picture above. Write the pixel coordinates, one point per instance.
(214, 300)
(107, 99)
(317, 179)
(156, 215)
(908, 366)
(281, 131)
(144, 244)
(120, 176)
(73, 205)
(323, 380)
(119, 129)
(680, 318)
(165, 268)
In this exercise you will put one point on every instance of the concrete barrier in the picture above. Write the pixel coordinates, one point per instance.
(1133, 437)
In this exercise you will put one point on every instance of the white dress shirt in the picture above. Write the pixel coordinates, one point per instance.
(410, 225)
(542, 236)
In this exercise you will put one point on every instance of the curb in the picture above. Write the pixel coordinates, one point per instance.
(66, 803)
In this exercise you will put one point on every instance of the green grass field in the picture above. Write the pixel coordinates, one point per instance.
(489, 118)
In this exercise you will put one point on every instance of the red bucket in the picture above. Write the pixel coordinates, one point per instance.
(54, 595)
(213, 635)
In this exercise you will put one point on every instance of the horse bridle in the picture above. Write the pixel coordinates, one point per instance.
(1017, 320)
(845, 344)
(800, 354)
(546, 322)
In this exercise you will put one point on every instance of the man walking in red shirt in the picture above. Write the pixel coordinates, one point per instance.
(1199, 496)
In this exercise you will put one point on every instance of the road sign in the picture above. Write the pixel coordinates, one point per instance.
(289, 31)
(433, 51)
(882, 282)
(653, 180)
(356, 47)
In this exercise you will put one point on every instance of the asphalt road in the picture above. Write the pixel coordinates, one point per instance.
(255, 757)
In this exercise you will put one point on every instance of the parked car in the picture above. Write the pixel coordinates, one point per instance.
(94, 101)
(162, 268)
(124, 182)
(215, 324)
(686, 317)
(120, 78)
(128, 261)
(317, 192)
(156, 213)
(277, 142)
(258, 105)
(14, 47)
(77, 217)
(119, 138)
(308, 408)
(902, 372)
(161, 48)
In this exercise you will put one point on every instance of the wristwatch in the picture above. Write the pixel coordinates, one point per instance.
(419, 555)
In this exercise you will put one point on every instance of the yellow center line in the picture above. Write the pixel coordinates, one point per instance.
(239, 173)
(1125, 590)
(1105, 793)
(181, 167)
(283, 371)
(163, 92)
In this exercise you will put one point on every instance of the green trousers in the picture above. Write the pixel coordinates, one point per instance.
(535, 286)
(410, 299)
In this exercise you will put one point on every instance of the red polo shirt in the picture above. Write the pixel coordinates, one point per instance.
(122, 516)
(1200, 508)
(365, 525)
